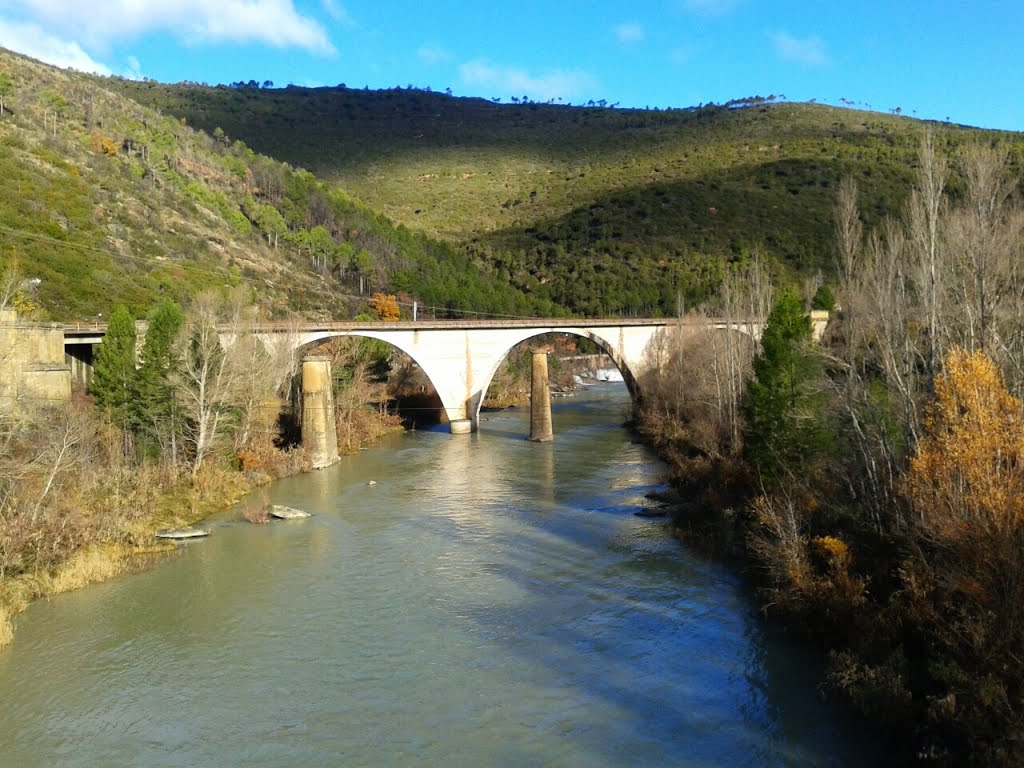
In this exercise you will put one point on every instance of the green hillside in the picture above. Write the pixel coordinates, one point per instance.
(601, 210)
(105, 201)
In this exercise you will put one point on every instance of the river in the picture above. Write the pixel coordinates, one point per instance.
(486, 601)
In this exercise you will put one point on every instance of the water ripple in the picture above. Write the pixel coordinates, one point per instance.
(488, 601)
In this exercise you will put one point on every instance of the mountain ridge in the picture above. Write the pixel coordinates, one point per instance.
(104, 201)
(637, 190)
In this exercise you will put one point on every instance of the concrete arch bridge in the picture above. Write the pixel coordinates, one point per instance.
(460, 358)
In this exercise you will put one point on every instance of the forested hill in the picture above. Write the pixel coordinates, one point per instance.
(599, 209)
(106, 201)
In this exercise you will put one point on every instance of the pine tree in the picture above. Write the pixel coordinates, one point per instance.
(785, 405)
(155, 412)
(113, 374)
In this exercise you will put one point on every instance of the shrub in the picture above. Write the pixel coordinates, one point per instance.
(824, 299)
(103, 145)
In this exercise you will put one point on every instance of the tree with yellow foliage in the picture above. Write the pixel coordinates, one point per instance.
(386, 307)
(964, 585)
(967, 477)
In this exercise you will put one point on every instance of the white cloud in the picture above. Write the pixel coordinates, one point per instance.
(432, 53)
(337, 12)
(134, 71)
(273, 22)
(629, 33)
(552, 84)
(32, 40)
(710, 7)
(809, 51)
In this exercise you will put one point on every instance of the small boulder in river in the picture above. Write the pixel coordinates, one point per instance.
(182, 533)
(282, 512)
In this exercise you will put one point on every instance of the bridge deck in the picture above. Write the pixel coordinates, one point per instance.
(88, 330)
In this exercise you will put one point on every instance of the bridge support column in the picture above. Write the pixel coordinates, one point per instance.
(460, 426)
(319, 433)
(540, 400)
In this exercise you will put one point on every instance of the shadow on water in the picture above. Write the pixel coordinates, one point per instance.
(489, 601)
(679, 650)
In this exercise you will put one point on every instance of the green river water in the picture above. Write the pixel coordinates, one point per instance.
(487, 602)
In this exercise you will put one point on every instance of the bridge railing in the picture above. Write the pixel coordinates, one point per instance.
(83, 327)
(554, 323)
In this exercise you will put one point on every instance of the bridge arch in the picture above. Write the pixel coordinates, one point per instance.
(399, 342)
(628, 375)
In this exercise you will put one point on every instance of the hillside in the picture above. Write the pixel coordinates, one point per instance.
(103, 201)
(601, 210)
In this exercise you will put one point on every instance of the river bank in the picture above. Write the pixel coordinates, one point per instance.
(184, 501)
(486, 597)
(88, 538)
(92, 531)
(886, 612)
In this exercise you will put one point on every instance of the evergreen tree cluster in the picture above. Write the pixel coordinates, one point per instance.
(141, 400)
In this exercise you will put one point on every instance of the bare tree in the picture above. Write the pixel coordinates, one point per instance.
(984, 235)
(949, 275)
(1011, 342)
(285, 350)
(351, 362)
(849, 230)
(696, 370)
(205, 377)
(890, 304)
(927, 204)
(10, 281)
(252, 379)
(745, 300)
(64, 450)
(866, 281)
(255, 385)
(811, 284)
(849, 263)
(657, 382)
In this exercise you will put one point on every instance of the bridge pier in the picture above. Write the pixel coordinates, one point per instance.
(319, 432)
(461, 426)
(540, 400)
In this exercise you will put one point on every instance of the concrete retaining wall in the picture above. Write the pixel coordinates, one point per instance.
(32, 366)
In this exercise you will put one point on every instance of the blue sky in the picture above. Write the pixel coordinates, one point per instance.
(937, 59)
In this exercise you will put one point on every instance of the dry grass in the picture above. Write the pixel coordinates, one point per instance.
(256, 515)
(88, 567)
(212, 489)
(257, 510)
(6, 628)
